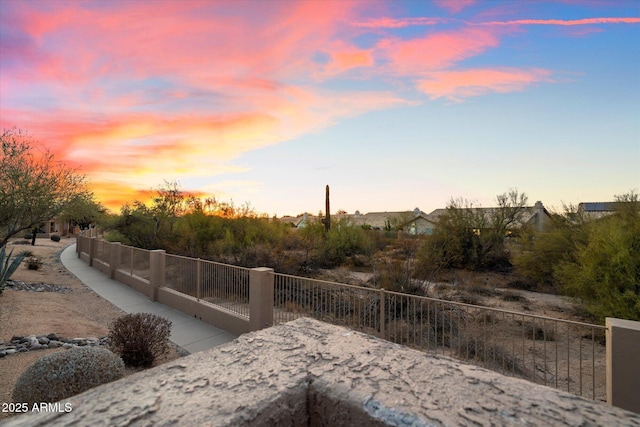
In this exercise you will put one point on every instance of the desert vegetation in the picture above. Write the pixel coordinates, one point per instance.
(594, 261)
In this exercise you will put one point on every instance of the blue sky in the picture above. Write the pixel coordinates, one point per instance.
(395, 105)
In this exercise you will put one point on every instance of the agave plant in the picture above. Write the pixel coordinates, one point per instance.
(8, 267)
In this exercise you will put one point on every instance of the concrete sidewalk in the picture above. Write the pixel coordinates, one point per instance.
(187, 332)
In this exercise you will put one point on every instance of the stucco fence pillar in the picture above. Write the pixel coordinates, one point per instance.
(157, 265)
(114, 258)
(260, 298)
(623, 364)
(93, 249)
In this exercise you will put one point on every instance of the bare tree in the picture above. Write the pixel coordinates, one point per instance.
(474, 237)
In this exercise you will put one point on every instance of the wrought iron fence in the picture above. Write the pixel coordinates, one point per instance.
(559, 353)
(223, 285)
(103, 251)
(135, 261)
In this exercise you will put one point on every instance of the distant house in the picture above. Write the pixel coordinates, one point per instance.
(372, 220)
(420, 224)
(380, 220)
(535, 216)
(56, 226)
(299, 221)
(596, 210)
(415, 222)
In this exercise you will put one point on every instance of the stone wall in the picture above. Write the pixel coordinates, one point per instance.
(311, 373)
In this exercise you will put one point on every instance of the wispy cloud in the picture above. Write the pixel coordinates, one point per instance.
(388, 22)
(437, 50)
(585, 21)
(456, 85)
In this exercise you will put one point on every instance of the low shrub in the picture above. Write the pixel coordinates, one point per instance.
(522, 284)
(513, 297)
(64, 374)
(139, 338)
(55, 237)
(33, 263)
(116, 236)
(492, 355)
(468, 298)
(482, 290)
(28, 236)
(537, 333)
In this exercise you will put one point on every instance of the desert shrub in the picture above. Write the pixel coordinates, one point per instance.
(139, 338)
(481, 290)
(522, 284)
(489, 353)
(598, 335)
(55, 237)
(397, 276)
(64, 374)
(116, 236)
(33, 263)
(605, 272)
(28, 236)
(513, 296)
(468, 298)
(538, 333)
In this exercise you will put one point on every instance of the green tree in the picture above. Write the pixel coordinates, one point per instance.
(604, 273)
(35, 187)
(539, 253)
(83, 210)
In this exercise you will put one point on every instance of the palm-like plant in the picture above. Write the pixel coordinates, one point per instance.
(7, 266)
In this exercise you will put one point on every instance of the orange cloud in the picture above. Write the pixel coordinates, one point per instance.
(455, 85)
(351, 59)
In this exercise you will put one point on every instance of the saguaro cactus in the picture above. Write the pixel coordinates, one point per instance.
(327, 216)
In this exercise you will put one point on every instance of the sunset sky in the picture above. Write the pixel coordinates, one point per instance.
(395, 105)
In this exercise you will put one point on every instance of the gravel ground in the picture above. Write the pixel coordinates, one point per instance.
(78, 313)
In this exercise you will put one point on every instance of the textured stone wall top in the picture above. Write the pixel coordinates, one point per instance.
(310, 373)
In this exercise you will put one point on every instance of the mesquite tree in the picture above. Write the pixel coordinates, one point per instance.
(34, 187)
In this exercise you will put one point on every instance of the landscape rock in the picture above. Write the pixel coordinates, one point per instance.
(17, 285)
(20, 344)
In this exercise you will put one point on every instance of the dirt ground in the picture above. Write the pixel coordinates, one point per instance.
(80, 313)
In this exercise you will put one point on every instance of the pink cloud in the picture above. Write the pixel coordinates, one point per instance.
(437, 50)
(456, 85)
(454, 6)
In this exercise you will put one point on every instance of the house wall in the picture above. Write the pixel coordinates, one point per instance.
(420, 226)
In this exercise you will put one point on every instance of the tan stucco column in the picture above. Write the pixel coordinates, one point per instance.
(260, 298)
(157, 266)
(623, 364)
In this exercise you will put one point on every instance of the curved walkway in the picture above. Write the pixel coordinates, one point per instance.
(191, 334)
